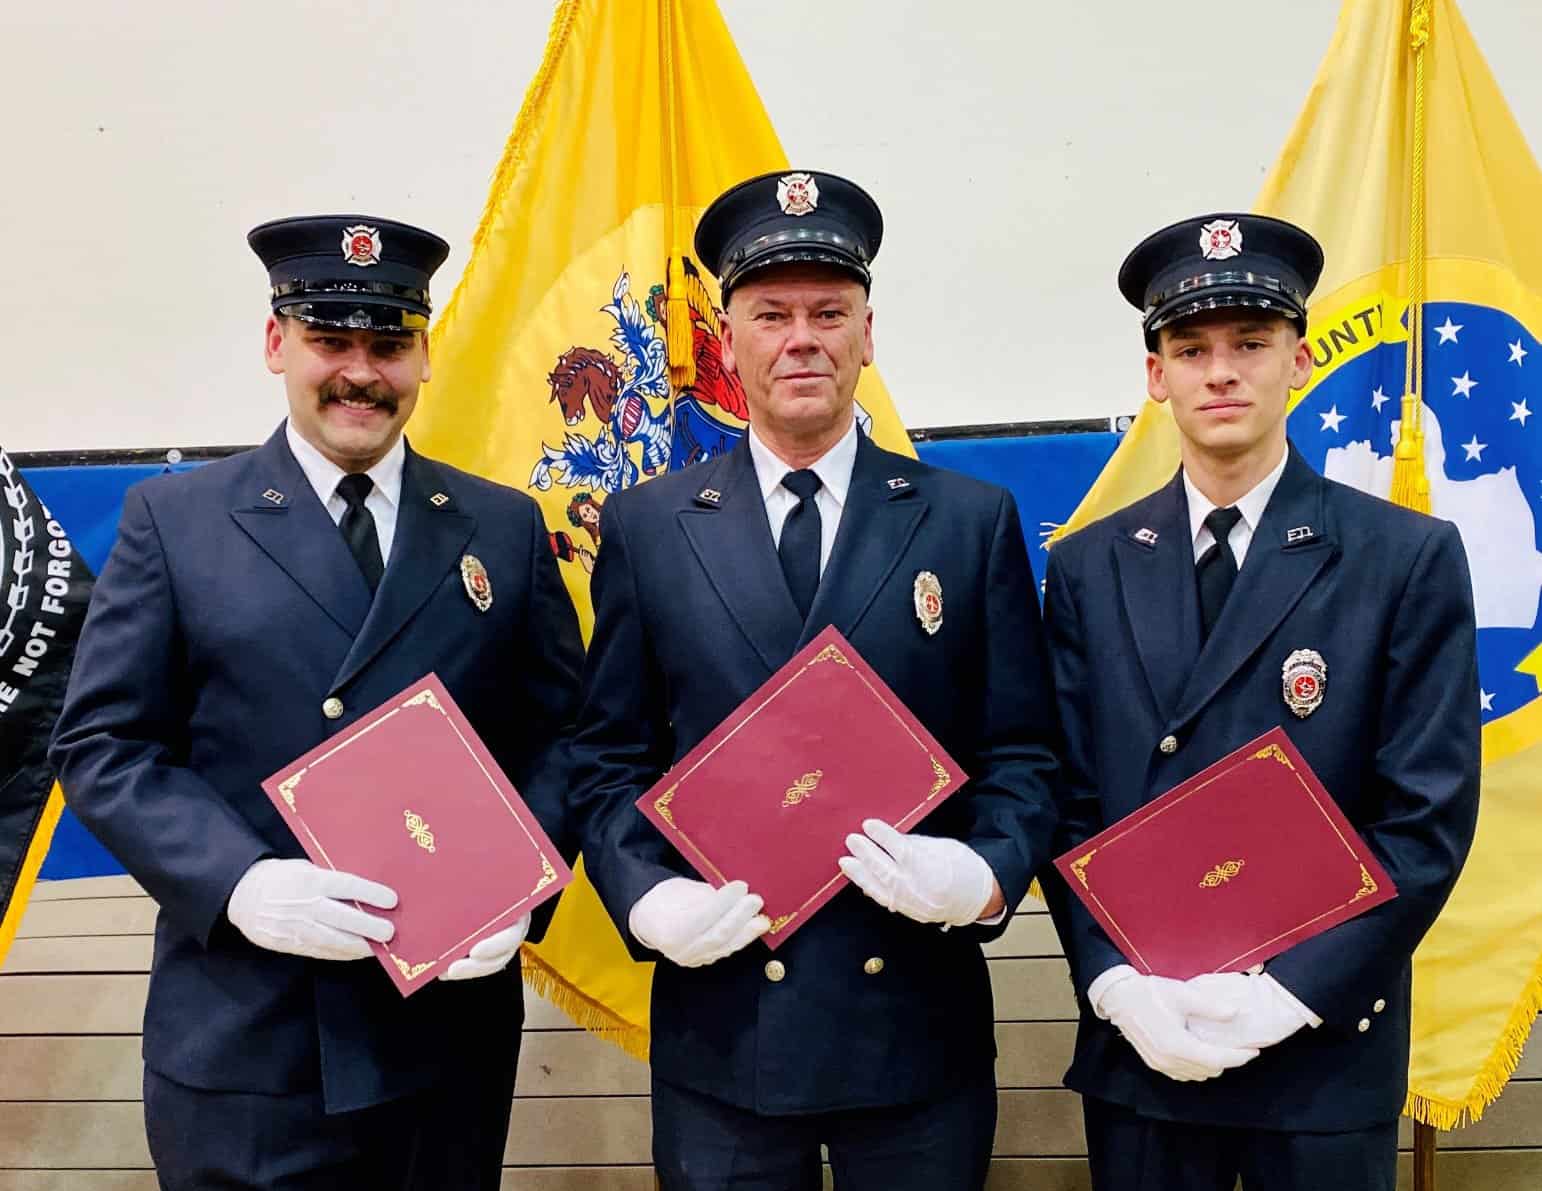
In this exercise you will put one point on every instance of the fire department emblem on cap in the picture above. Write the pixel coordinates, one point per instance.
(798, 194)
(1220, 239)
(361, 245)
(1304, 678)
(928, 598)
(478, 586)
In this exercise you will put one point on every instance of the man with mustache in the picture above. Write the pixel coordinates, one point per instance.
(250, 610)
(871, 1030)
(1251, 593)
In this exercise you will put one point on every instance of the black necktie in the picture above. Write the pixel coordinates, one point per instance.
(1217, 567)
(799, 547)
(358, 526)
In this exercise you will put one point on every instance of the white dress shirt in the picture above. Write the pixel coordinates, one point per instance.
(1251, 506)
(383, 499)
(834, 471)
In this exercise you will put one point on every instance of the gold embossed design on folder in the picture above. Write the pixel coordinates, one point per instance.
(418, 829)
(1368, 885)
(803, 788)
(410, 971)
(1221, 873)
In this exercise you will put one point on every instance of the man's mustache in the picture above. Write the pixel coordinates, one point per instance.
(342, 390)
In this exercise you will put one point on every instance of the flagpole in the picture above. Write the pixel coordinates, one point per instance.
(1425, 1139)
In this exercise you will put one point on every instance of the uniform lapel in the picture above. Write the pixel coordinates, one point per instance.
(282, 514)
(430, 539)
(727, 529)
(883, 509)
(1290, 547)
(1154, 559)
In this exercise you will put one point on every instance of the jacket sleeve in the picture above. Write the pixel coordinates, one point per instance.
(544, 706)
(1010, 796)
(120, 743)
(1425, 770)
(624, 741)
(1087, 947)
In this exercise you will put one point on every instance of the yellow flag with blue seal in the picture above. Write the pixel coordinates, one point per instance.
(580, 352)
(1426, 334)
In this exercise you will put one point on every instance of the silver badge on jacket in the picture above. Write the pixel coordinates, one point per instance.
(478, 586)
(928, 597)
(1304, 679)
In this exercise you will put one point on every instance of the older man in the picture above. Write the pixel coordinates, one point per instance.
(872, 1030)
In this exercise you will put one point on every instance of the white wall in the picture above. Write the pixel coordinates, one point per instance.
(1016, 156)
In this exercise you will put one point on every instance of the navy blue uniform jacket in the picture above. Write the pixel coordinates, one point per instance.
(221, 623)
(692, 614)
(1383, 595)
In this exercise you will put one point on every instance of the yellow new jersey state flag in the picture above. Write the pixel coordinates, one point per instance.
(580, 353)
(1346, 174)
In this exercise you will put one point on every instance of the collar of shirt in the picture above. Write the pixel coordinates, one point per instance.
(323, 474)
(833, 468)
(1251, 506)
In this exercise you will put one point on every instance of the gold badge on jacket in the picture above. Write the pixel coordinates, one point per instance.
(478, 586)
(928, 597)
(1304, 679)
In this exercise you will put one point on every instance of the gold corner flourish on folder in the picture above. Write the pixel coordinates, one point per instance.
(1222, 873)
(411, 971)
(941, 778)
(803, 788)
(548, 875)
(661, 804)
(1368, 885)
(1079, 866)
(780, 922)
(425, 697)
(1277, 753)
(287, 787)
(830, 653)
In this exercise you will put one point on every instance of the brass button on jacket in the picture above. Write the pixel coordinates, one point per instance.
(873, 966)
(776, 971)
(332, 708)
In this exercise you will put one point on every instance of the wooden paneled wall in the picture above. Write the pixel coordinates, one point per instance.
(72, 996)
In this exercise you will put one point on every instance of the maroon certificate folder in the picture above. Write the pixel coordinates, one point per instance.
(771, 794)
(410, 797)
(1240, 862)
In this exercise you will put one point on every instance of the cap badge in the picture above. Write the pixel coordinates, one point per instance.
(478, 586)
(928, 598)
(798, 194)
(1305, 679)
(361, 245)
(1220, 239)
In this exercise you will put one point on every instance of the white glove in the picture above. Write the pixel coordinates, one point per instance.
(1155, 1013)
(694, 924)
(1263, 1012)
(491, 954)
(297, 908)
(928, 878)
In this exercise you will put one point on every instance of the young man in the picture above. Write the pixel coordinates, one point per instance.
(871, 1030)
(250, 610)
(1170, 625)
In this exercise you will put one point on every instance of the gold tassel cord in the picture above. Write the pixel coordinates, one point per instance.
(678, 339)
(1410, 483)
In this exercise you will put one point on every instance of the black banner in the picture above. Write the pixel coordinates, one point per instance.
(44, 589)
